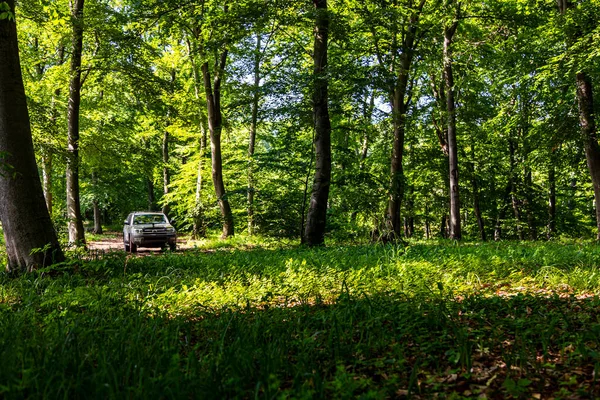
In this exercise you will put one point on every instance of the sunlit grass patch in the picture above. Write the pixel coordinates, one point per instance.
(379, 321)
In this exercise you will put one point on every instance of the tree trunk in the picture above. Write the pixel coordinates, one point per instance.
(515, 202)
(29, 235)
(97, 213)
(506, 199)
(455, 229)
(75, 220)
(476, 207)
(47, 158)
(585, 102)
(396, 170)
(443, 227)
(252, 136)
(48, 155)
(529, 206)
(397, 97)
(215, 126)
(198, 229)
(316, 218)
(166, 173)
(552, 196)
(150, 192)
(587, 121)
(367, 116)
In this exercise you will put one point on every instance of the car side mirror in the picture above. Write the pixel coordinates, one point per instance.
(126, 222)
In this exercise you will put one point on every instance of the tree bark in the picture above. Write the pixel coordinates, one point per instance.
(97, 213)
(552, 196)
(198, 228)
(252, 136)
(398, 94)
(47, 158)
(476, 206)
(215, 127)
(29, 235)
(585, 101)
(529, 206)
(166, 173)
(316, 220)
(75, 220)
(150, 191)
(455, 228)
(587, 122)
(502, 211)
(515, 202)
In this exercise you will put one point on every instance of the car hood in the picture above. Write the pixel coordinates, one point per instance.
(143, 226)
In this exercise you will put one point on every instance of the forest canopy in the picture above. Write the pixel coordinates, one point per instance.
(443, 118)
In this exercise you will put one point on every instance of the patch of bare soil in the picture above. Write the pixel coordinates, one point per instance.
(115, 243)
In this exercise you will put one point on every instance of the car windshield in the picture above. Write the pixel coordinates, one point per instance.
(149, 219)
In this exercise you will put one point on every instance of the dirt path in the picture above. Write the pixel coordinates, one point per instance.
(114, 242)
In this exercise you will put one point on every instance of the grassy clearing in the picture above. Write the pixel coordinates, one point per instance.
(500, 320)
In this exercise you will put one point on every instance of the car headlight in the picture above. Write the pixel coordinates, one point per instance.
(137, 230)
(171, 229)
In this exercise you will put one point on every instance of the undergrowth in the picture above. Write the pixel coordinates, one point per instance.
(229, 320)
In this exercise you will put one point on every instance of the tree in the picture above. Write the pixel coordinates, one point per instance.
(75, 220)
(314, 233)
(215, 127)
(585, 102)
(28, 231)
(449, 31)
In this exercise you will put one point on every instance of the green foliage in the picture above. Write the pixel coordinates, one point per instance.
(5, 12)
(347, 321)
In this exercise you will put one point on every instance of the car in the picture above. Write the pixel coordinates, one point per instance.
(148, 229)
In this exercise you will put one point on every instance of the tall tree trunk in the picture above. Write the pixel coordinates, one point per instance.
(397, 96)
(427, 224)
(585, 101)
(75, 220)
(476, 207)
(47, 154)
(47, 158)
(396, 169)
(252, 136)
(529, 206)
(165, 173)
(29, 235)
(215, 127)
(198, 229)
(367, 116)
(515, 202)
(150, 191)
(316, 220)
(502, 211)
(97, 213)
(455, 229)
(552, 196)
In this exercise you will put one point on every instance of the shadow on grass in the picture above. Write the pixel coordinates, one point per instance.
(99, 342)
(373, 321)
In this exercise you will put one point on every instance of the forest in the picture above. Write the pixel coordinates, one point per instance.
(373, 199)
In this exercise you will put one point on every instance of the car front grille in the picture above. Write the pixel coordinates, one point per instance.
(157, 231)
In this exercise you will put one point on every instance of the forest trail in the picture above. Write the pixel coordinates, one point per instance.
(113, 241)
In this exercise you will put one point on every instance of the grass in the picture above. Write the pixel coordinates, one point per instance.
(229, 320)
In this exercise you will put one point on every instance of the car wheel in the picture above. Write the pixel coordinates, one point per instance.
(172, 246)
(132, 246)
